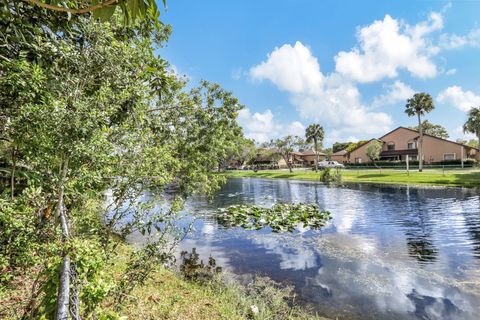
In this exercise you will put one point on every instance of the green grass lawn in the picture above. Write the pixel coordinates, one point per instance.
(435, 177)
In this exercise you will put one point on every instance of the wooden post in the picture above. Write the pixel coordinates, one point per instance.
(461, 156)
(408, 168)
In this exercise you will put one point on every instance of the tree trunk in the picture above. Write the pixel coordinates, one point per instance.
(287, 160)
(12, 173)
(316, 154)
(420, 144)
(63, 295)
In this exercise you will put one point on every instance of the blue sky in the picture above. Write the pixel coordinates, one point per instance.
(348, 65)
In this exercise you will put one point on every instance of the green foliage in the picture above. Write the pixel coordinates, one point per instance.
(329, 175)
(281, 217)
(354, 145)
(472, 125)
(420, 104)
(284, 147)
(24, 231)
(373, 150)
(433, 129)
(193, 269)
(88, 108)
(339, 146)
(144, 10)
(315, 134)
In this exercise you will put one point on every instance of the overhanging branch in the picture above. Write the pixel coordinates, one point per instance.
(70, 10)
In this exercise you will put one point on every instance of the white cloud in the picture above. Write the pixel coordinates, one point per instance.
(263, 126)
(330, 100)
(454, 41)
(396, 92)
(388, 45)
(451, 72)
(456, 96)
(295, 128)
(292, 69)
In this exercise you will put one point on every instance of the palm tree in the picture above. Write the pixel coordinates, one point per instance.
(472, 125)
(314, 133)
(420, 104)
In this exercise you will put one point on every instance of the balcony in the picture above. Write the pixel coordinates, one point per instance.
(403, 152)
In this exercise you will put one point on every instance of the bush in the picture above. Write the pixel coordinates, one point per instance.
(466, 162)
(329, 175)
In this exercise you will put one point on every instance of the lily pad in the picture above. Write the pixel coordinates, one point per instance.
(282, 217)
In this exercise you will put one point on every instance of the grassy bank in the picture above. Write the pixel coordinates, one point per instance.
(434, 177)
(168, 295)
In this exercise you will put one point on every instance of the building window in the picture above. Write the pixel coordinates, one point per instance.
(413, 158)
(358, 160)
(411, 145)
(391, 146)
(449, 156)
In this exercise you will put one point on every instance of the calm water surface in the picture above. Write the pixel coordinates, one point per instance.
(388, 253)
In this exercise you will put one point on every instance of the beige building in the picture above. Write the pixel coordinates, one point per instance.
(399, 143)
(340, 156)
(309, 157)
(297, 159)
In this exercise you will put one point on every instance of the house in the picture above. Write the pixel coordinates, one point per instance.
(340, 156)
(271, 158)
(309, 157)
(403, 142)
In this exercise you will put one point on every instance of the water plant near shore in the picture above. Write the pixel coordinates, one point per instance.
(280, 217)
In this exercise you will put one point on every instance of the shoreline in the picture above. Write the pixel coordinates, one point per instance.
(467, 178)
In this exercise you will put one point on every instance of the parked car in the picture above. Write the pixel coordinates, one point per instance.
(330, 164)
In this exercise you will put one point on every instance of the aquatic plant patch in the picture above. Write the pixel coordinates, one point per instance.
(282, 217)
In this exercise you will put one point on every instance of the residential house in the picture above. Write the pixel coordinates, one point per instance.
(340, 156)
(399, 143)
(269, 158)
(309, 157)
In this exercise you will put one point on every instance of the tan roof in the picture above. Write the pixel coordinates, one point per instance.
(340, 153)
(311, 152)
(428, 135)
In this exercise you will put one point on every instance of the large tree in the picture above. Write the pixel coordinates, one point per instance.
(339, 146)
(314, 133)
(419, 105)
(433, 129)
(373, 150)
(85, 108)
(472, 125)
(286, 146)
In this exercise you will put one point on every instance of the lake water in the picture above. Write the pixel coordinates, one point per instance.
(388, 253)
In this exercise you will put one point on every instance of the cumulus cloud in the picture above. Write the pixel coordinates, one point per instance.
(332, 100)
(388, 45)
(454, 41)
(291, 68)
(396, 92)
(459, 98)
(262, 126)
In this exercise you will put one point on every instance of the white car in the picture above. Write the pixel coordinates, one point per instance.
(330, 164)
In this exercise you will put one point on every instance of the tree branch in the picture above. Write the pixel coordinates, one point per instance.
(70, 10)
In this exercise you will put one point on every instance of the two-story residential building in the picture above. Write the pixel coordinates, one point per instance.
(399, 143)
